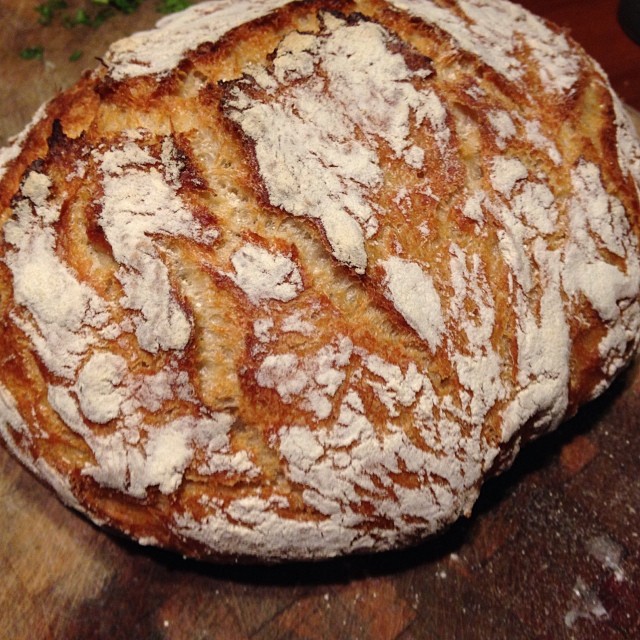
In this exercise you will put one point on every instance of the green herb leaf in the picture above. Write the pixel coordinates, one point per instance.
(125, 6)
(79, 17)
(76, 55)
(32, 53)
(47, 10)
(171, 6)
(102, 16)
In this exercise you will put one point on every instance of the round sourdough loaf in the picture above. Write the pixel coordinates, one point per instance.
(288, 282)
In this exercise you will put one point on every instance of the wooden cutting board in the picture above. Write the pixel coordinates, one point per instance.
(552, 550)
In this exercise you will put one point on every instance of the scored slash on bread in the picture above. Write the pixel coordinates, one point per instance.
(291, 281)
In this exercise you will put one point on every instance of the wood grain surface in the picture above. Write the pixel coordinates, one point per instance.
(552, 550)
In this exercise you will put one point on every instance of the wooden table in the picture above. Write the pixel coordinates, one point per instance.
(552, 550)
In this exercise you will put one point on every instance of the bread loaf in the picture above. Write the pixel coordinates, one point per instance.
(289, 281)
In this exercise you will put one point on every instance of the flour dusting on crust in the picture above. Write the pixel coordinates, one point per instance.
(304, 132)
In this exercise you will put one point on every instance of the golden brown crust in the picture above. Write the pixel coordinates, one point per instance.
(300, 290)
